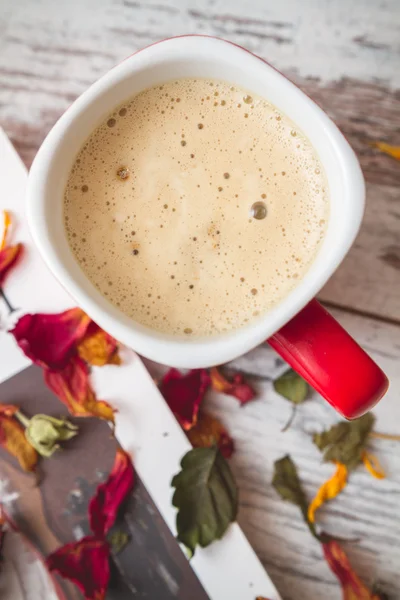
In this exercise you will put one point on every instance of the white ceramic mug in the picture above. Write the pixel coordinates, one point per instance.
(298, 328)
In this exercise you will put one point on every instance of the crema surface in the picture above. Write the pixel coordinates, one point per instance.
(195, 207)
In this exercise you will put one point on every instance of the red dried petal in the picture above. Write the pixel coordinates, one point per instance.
(8, 257)
(50, 340)
(238, 387)
(72, 386)
(207, 432)
(226, 445)
(86, 564)
(352, 586)
(104, 505)
(184, 393)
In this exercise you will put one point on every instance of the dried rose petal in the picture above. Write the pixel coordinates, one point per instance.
(50, 340)
(72, 386)
(104, 505)
(8, 410)
(86, 564)
(184, 393)
(207, 432)
(238, 387)
(352, 586)
(12, 438)
(98, 348)
(8, 257)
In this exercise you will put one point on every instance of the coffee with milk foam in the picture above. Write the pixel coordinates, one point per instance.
(195, 207)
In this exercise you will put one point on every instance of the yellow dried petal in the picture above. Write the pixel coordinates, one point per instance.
(328, 490)
(373, 466)
(393, 151)
(98, 348)
(7, 223)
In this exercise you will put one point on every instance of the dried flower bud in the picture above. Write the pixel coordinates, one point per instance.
(44, 433)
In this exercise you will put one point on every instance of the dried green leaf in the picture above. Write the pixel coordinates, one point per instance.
(287, 483)
(345, 441)
(118, 540)
(206, 497)
(292, 387)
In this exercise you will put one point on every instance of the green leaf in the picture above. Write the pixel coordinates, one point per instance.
(206, 497)
(292, 387)
(287, 483)
(345, 441)
(118, 540)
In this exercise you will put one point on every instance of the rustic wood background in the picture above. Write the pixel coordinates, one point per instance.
(345, 55)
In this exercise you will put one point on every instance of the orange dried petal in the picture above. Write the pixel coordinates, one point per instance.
(8, 410)
(8, 257)
(72, 386)
(393, 151)
(352, 586)
(98, 348)
(12, 438)
(207, 432)
(328, 490)
(373, 465)
(7, 223)
(218, 381)
(238, 387)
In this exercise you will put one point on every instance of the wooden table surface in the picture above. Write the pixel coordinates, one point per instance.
(345, 55)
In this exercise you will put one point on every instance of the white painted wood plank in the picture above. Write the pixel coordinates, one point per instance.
(316, 38)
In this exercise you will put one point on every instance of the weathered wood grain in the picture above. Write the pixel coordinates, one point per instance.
(368, 510)
(345, 56)
(369, 278)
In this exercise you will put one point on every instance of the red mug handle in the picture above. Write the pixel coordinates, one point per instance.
(328, 358)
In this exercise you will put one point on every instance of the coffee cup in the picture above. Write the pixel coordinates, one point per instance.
(298, 328)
